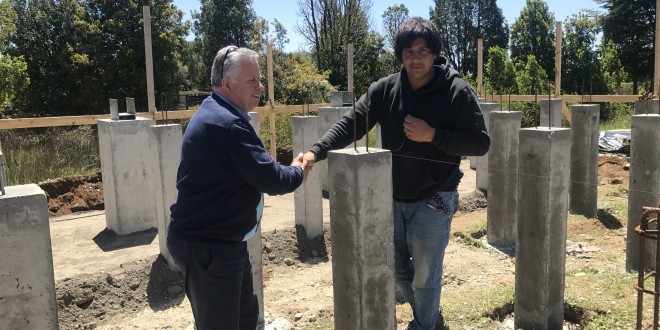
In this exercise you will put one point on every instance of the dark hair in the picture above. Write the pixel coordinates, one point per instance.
(410, 30)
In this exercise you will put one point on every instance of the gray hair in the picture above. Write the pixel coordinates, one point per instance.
(227, 63)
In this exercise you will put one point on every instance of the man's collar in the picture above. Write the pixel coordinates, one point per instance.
(240, 111)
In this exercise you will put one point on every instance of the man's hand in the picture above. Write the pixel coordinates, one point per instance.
(417, 129)
(298, 161)
(309, 159)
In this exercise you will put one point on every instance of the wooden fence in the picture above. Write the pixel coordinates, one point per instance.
(264, 112)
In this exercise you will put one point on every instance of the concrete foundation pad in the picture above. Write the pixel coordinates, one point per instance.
(27, 284)
(128, 190)
(644, 187)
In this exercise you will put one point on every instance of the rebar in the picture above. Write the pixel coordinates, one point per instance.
(354, 119)
(649, 217)
(366, 114)
(2, 172)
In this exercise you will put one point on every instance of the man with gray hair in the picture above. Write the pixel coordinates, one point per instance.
(223, 174)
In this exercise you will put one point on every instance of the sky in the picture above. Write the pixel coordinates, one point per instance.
(286, 11)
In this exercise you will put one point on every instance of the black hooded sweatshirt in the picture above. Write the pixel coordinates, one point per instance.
(419, 169)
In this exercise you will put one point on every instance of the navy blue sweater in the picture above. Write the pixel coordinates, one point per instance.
(223, 171)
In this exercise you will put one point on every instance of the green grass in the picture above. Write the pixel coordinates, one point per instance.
(34, 155)
(473, 312)
(619, 122)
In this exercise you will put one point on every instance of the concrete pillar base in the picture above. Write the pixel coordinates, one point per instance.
(644, 185)
(362, 238)
(128, 191)
(583, 191)
(503, 178)
(551, 113)
(27, 288)
(543, 181)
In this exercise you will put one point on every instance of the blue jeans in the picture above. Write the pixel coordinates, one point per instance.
(421, 234)
(218, 283)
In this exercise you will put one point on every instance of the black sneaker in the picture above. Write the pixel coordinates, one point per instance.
(440, 323)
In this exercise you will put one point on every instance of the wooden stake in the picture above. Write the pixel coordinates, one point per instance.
(271, 101)
(480, 65)
(558, 38)
(151, 95)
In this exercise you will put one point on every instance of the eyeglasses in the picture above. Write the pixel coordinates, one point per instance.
(229, 51)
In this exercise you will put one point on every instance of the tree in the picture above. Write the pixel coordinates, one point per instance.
(45, 39)
(80, 53)
(631, 25)
(13, 70)
(533, 34)
(302, 83)
(222, 23)
(581, 65)
(500, 72)
(329, 26)
(393, 17)
(613, 72)
(532, 80)
(461, 23)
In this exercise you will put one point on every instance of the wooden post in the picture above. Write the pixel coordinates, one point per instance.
(151, 95)
(480, 65)
(271, 101)
(349, 69)
(558, 39)
(656, 72)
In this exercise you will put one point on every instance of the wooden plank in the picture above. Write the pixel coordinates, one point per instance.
(480, 66)
(568, 98)
(179, 114)
(151, 95)
(271, 101)
(349, 69)
(558, 37)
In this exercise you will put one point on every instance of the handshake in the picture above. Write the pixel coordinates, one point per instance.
(306, 161)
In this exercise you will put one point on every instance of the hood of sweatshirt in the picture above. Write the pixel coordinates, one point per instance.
(444, 74)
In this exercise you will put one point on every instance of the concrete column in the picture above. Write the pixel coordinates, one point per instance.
(379, 138)
(551, 113)
(308, 197)
(543, 175)
(27, 285)
(473, 159)
(503, 178)
(127, 186)
(341, 99)
(165, 142)
(644, 187)
(650, 107)
(362, 238)
(583, 193)
(327, 118)
(255, 250)
(482, 161)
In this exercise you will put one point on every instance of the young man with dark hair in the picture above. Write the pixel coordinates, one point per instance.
(429, 118)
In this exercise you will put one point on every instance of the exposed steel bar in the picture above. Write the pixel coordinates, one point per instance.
(354, 120)
(366, 113)
(649, 217)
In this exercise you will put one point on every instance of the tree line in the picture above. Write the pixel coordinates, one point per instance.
(69, 57)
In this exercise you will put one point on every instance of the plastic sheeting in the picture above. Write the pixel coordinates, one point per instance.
(615, 141)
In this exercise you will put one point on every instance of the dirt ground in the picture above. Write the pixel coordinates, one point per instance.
(109, 282)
